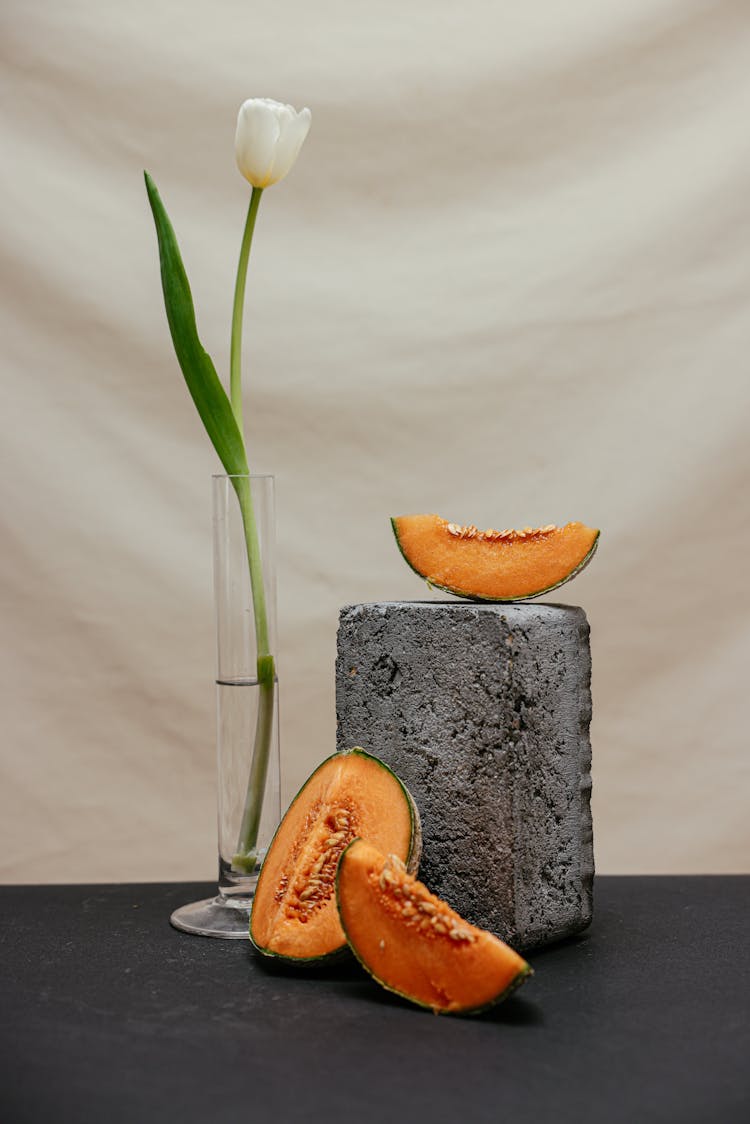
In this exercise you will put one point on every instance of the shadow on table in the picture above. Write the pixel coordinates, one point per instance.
(566, 944)
(514, 1011)
(336, 970)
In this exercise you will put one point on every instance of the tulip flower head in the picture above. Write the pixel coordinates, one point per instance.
(268, 139)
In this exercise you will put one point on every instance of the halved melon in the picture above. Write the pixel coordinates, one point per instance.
(493, 565)
(351, 794)
(414, 944)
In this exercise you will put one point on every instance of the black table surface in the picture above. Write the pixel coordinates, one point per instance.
(109, 1015)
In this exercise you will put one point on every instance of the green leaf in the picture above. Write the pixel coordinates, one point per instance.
(211, 400)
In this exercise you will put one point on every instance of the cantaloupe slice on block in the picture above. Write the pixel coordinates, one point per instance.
(414, 944)
(351, 794)
(507, 565)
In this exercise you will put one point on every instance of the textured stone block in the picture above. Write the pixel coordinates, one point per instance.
(483, 710)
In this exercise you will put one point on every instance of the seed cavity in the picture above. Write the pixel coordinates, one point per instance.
(469, 531)
(405, 897)
(311, 891)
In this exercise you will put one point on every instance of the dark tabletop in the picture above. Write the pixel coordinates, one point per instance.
(109, 1015)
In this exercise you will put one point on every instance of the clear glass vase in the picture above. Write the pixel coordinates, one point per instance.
(247, 707)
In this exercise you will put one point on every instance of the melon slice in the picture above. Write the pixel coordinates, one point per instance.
(414, 944)
(294, 913)
(493, 565)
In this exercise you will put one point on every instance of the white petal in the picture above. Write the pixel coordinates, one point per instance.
(294, 129)
(255, 139)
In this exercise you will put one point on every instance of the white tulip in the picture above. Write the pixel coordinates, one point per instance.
(269, 137)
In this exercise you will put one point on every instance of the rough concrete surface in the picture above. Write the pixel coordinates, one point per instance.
(483, 710)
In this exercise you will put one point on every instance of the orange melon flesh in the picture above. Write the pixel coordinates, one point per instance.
(294, 911)
(414, 944)
(493, 565)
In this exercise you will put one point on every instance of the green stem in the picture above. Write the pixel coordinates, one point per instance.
(252, 544)
(245, 858)
(235, 355)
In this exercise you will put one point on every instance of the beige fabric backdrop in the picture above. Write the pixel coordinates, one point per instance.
(508, 280)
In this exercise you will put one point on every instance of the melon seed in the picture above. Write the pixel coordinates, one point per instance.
(458, 934)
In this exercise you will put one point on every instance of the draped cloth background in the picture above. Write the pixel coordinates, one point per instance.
(507, 281)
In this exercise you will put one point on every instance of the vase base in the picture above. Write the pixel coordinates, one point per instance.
(215, 917)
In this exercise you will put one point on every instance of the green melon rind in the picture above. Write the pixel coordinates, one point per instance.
(412, 863)
(482, 597)
(515, 983)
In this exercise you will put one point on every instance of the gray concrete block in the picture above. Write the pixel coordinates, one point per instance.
(483, 710)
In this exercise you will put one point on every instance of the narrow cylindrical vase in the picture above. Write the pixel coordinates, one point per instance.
(247, 718)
